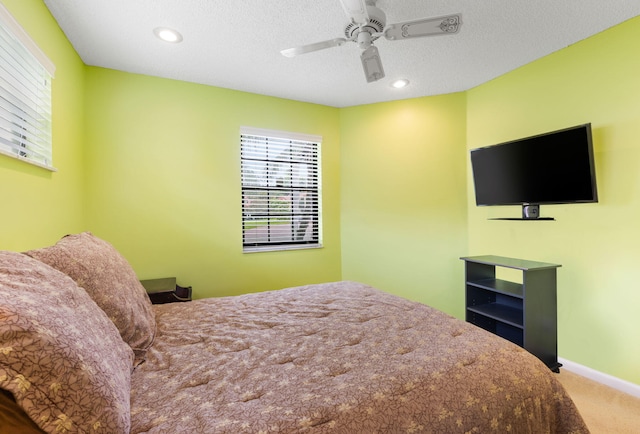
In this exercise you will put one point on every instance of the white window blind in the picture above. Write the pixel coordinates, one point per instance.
(25, 95)
(280, 190)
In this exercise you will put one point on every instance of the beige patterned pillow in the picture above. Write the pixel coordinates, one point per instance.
(106, 275)
(60, 356)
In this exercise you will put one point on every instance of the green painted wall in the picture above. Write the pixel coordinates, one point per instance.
(403, 198)
(37, 206)
(163, 183)
(598, 245)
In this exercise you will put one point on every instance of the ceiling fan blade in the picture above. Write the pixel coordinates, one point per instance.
(372, 64)
(356, 10)
(292, 52)
(426, 27)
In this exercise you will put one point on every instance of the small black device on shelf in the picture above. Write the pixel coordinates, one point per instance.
(530, 211)
(552, 168)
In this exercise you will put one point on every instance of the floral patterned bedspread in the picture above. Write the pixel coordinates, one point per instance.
(338, 358)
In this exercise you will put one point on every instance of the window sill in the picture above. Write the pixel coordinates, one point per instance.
(280, 248)
(27, 160)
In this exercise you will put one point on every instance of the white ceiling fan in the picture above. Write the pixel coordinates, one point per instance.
(369, 23)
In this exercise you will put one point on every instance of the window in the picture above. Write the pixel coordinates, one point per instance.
(25, 95)
(280, 190)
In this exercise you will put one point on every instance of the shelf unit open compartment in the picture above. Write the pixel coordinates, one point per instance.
(496, 305)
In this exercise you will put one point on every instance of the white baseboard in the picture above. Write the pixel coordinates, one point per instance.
(601, 377)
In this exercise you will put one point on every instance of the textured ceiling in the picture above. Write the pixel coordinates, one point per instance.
(236, 44)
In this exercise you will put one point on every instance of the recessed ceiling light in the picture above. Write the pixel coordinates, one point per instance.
(168, 35)
(399, 84)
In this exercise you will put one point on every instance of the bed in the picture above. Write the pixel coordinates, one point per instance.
(83, 350)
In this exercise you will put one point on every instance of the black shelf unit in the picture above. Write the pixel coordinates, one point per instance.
(524, 313)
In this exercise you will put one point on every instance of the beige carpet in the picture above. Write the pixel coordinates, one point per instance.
(605, 410)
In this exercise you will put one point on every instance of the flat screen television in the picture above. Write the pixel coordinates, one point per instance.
(551, 168)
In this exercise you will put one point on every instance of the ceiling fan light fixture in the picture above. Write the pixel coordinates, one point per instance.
(400, 83)
(168, 35)
(371, 64)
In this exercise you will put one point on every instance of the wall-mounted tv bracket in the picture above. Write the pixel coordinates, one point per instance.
(530, 211)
